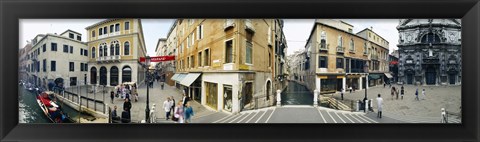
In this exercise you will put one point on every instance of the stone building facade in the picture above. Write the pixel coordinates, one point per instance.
(430, 51)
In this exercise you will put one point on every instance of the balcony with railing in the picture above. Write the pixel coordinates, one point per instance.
(249, 26)
(229, 23)
(340, 49)
(109, 59)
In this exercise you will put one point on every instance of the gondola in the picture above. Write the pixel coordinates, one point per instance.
(47, 102)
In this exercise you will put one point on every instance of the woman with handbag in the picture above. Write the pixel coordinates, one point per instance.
(178, 115)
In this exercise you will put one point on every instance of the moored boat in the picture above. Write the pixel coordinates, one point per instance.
(50, 107)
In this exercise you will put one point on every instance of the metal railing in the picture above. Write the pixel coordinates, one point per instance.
(83, 101)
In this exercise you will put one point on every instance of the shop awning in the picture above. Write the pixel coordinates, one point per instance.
(175, 76)
(373, 76)
(189, 79)
(180, 77)
(388, 75)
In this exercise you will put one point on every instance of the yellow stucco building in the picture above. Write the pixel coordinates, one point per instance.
(115, 46)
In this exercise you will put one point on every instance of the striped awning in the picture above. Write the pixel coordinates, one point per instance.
(189, 79)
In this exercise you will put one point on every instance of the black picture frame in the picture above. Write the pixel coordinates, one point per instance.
(11, 11)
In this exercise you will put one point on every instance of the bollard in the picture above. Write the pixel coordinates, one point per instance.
(443, 118)
(279, 98)
(366, 106)
(315, 98)
(358, 105)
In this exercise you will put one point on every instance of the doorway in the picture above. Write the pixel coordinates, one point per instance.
(227, 98)
(430, 76)
(452, 78)
(409, 79)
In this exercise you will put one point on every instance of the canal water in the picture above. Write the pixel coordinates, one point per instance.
(296, 94)
(30, 112)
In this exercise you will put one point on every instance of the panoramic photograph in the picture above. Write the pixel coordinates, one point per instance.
(240, 71)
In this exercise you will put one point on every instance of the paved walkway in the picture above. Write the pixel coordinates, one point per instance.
(157, 97)
(426, 110)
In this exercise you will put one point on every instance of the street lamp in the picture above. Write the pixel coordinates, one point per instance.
(147, 110)
(366, 81)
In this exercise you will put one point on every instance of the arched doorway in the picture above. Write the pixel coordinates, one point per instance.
(93, 75)
(430, 75)
(114, 76)
(127, 74)
(103, 76)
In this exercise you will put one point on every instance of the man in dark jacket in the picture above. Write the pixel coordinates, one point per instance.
(126, 116)
(127, 105)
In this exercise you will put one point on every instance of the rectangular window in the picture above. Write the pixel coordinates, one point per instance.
(117, 27)
(86, 67)
(71, 49)
(323, 62)
(111, 28)
(81, 51)
(81, 66)
(53, 66)
(105, 30)
(200, 32)
(44, 65)
(79, 38)
(340, 63)
(248, 53)
(85, 52)
(93, 33)
(189, 43)
(199, 59)
(192, 61)
(44, 47)
(127, 25)
(70, 35)
(54, 46)
(207, 57)
(73, 81)
(269, 59)
(188, 62)
(100, 31)
(229, 51)
(72, 66)
(65, 48)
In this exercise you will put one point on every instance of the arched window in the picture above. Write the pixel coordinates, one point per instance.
(103, 76)
(112, 49)
(126, 48)
(93, 75)
(352, 45)
(105, 51)
(117, 49)
(431, 38)
(114, 76)
(100, 51)
(93, 52)
(126, 74)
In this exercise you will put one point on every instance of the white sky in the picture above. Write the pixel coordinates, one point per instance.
(296, 30)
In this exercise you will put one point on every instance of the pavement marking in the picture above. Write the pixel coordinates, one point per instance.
(254, 116)
(331, 117)
(360, 116)
(345, 114)
(270, 115)
(249, 114)
(237, 118)
(355, 118)
(234, 116)
(222, 118)
(339, 117)
(260, 117)
(369, 119)
(323, 118)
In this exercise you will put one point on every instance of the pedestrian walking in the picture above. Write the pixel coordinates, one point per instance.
(167, 105)
(124, 91)
(185, 99)
(343, 91)
(127, 105)
(172, 104)
(402, 92)
(188, 113)
(423, 94)
(126, 117)
(350, 89)
(112, 95)
(379, 106)
(179, 113)
(416, 95)
(393, 92)
(162, 84)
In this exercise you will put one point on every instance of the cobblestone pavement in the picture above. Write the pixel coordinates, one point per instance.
(429, 107)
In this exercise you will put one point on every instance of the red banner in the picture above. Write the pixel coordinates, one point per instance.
(158, 58)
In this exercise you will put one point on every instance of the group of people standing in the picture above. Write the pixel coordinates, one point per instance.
(126, 92)
(182, 112)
